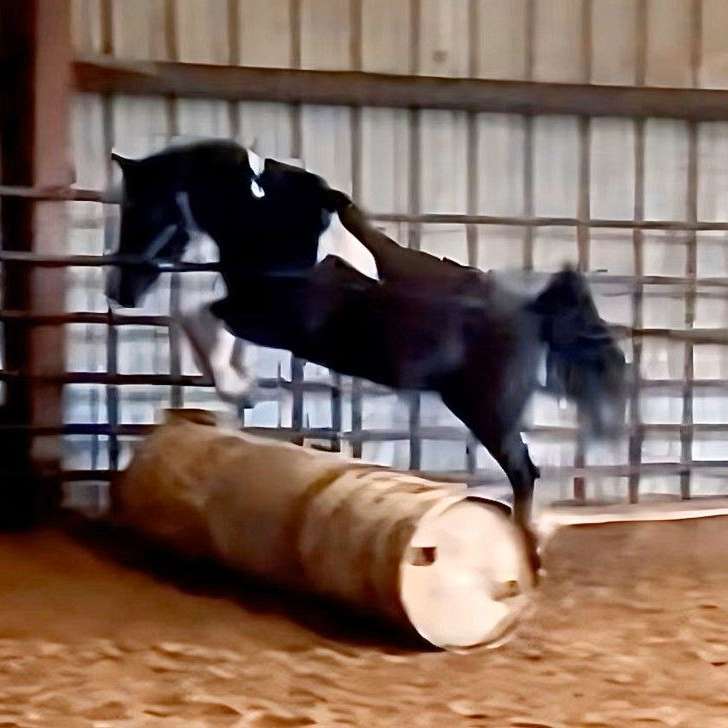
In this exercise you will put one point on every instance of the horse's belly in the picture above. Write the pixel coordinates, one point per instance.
(385, 352)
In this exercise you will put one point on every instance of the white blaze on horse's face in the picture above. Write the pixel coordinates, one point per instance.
(337, 240)
(257, 165)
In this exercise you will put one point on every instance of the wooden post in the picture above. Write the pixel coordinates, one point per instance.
(35, 58)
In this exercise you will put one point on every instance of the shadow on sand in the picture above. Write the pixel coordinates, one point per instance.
(326, 618)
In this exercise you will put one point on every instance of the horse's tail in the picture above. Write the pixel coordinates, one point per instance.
(568, 311)
(583, 360)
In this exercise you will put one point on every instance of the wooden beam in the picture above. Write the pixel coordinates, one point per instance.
(352, 88)
(35, 55)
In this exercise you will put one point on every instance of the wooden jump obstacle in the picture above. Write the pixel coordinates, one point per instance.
(424, 554)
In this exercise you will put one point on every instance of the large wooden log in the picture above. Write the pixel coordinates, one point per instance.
(422, 553)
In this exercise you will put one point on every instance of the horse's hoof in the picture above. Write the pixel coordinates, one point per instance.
(247, 402)
(238, 402)
(238, 392)
(534, 559)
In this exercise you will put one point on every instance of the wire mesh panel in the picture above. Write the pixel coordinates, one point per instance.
(639, 203)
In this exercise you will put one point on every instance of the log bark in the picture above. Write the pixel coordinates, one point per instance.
(418, 552)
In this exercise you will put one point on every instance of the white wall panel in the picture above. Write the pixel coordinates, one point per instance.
(501, 47)
(386, 36)
(444, 49)
(265, 33)
(558, 41)
(325, 34)
(614, 41)
(668, 43)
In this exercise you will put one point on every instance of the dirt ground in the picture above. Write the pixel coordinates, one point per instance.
(630, 629)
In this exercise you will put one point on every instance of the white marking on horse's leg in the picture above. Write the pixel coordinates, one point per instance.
(337, 240)
(244, 357)
(213, 347)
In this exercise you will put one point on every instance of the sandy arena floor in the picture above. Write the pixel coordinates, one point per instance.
(630, 629)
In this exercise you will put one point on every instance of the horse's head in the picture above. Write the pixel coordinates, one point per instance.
(584, 361)
(152, 226)
(269, 211)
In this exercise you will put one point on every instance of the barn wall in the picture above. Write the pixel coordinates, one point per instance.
(520, 167)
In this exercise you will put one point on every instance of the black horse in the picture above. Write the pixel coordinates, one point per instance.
(421, 324)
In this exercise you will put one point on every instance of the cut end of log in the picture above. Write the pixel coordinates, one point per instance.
(465, 578)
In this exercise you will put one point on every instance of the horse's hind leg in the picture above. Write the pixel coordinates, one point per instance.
(503, 441)
(217, 354)
(511, 453)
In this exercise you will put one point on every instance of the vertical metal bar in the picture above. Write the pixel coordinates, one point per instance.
(414, 232)
(356, 20)
(107, 32)
(528, 209)
(175, 284)
(584, 204)
(234, 59)
(472, 148)
(471, 231)
(584, 210)
(234, 113)
(636, 435)
(356, 182)
(50, 112)
(686, 432)
(297, 365)
(35, 56)
(112, 334)
(112, 391)
(635, 443)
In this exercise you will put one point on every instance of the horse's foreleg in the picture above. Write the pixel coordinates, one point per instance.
(218, 355)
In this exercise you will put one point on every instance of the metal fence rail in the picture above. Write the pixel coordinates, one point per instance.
(355, 89)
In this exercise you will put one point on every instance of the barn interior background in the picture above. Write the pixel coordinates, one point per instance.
(583, 131)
